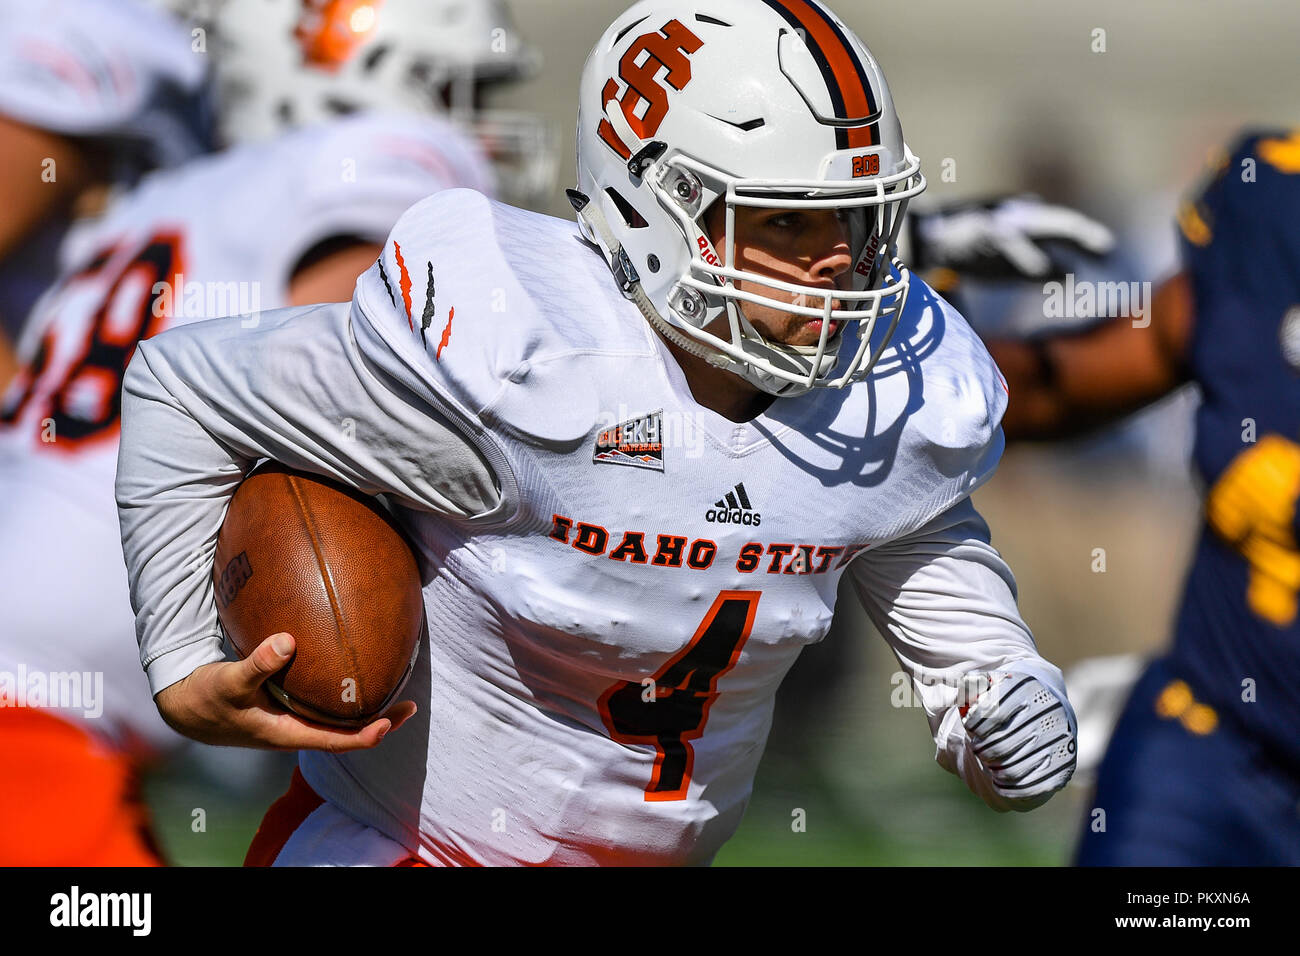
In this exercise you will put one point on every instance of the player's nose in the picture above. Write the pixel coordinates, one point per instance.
(833, 256)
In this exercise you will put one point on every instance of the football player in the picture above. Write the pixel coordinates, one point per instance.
(1204, 765)
(597, 682)
(277, 220)
(92, 94)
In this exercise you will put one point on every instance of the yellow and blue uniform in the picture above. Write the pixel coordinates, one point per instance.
(1204, 766)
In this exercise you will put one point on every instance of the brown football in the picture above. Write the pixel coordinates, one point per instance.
(326, 563)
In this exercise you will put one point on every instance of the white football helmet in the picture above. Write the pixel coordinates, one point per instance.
(753, 103)
(288, 63)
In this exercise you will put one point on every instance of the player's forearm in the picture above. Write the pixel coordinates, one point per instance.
(173, 483)
(1036, 407)
(1071, 382)
(945, 601)
(30, 193)
(1067, 385)
(8, 361)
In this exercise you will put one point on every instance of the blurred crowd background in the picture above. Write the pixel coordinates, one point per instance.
(1113, 107)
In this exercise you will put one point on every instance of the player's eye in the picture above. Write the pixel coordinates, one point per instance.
(785, 220)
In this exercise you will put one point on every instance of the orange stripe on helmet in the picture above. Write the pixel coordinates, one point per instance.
(844, 73)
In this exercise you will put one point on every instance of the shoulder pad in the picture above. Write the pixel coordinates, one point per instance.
(1244, 189)
(390, 159)
(964, 394)
(933, 406)
(446, 295)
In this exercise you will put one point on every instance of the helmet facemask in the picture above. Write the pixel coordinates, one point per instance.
(869, 292)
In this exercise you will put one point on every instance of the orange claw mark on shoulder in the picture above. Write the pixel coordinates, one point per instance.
(446, 334)
(405, 284)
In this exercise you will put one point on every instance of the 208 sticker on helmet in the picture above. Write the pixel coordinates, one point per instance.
(666, 49)
(868, 165)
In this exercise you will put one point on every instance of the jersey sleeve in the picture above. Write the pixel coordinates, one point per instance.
(105, 69)
(203, 403)
(1245, 202)
(945, 602)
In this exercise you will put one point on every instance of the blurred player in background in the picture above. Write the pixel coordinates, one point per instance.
(92, 94)
(1204, 766)
(338, 117)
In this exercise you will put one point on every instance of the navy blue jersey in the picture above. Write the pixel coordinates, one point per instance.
(1241, 244)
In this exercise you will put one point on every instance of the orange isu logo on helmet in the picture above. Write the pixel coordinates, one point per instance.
(666, 49)
(330, 31)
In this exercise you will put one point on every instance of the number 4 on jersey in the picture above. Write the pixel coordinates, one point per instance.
(672, 710)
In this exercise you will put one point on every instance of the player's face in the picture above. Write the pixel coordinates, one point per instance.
(802, 246)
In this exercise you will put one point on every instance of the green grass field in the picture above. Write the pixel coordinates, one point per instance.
(867, 785)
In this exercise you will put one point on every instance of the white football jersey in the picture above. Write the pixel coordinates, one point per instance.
(115, 71)
(218, 236)
(617, 578)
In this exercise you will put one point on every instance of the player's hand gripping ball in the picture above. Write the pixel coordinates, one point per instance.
(1024, 737)
(305, 555)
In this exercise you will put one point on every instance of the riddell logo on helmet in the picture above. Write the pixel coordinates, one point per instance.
(706, 250)
(868, 257)
(666, 49)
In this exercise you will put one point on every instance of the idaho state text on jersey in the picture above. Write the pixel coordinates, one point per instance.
(677, 550)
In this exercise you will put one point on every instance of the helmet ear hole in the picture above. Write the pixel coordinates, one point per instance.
(630, 216)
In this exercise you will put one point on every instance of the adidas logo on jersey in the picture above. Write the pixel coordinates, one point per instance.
(734, 508)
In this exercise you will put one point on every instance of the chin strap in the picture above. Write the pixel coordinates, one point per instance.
(629, 282)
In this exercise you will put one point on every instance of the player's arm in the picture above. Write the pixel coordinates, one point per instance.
(201, 404)
(1068, 382)
(329, 270)
(945, 601)
(43, 174)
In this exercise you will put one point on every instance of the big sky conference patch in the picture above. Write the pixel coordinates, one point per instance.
(637, 443)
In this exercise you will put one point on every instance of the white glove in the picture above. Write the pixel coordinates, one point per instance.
(1022, 736)
(1002, 238)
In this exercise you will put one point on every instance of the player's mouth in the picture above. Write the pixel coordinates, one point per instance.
(815, 326)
